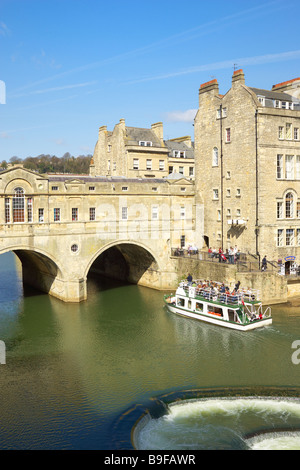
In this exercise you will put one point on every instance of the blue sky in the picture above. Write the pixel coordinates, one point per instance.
(71, 66)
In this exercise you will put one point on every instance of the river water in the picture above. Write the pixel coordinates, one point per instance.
(78, 376)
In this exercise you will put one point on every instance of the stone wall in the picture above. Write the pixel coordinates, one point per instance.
(272, 287)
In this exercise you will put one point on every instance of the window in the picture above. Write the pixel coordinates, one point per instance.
(91, 188)
(171, 169)
(155, 213)
(215, 161)
(228, 212)
(182, 241)
(298, 167)
(228, 175)
(228, 192)
(228, 135)
(181, 170)
(238, 192)
(179, 153)
(289, 206)
(114, 166)
(7, 210)
(191, 171)
(279, 210)
(154, 189)
(92, 213)
(219, 214)
(29, 209)
(280, 237)
(289, 237)
(145, 143)
(182, 212)
(277, 104)
(149, 164)
(289, 167)
(74, 248)
(18, 203)
(74, 214)
(161, 165)
(56, 214)
(124, 188)
(283, 104)
(288, 131)
(280, 132)
(296, 133)
(298, 209)
(136, 164)
(298, 236)
(215, 193)
(279, 166)
(54, 188)
(238, 212)
(41, 215)
(124, 213)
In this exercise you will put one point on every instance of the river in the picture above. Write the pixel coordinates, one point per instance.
(77, 376)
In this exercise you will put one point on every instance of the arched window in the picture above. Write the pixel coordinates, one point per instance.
(289, 205)
(215, 159)
(18, 204)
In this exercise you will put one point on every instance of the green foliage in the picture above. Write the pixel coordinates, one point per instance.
(52, 164)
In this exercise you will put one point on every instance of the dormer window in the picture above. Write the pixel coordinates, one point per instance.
(145, 143)
(261, 99)
(179, 153)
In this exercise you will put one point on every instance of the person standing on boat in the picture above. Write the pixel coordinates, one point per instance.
(189, 279)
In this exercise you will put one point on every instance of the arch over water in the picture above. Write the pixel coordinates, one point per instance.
(127, 261)
(39, 269)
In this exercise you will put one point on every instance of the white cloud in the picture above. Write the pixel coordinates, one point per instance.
(4, 31)
(181, 116)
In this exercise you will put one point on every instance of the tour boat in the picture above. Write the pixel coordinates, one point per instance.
(241, 310)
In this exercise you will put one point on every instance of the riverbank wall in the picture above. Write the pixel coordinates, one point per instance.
(273, 288)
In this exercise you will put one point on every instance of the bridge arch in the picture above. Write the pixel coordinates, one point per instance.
(39, 269)
(128, 261)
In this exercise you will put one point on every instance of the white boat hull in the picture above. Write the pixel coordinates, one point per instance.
(218, 321)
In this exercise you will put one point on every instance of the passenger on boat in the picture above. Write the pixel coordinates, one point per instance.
(189, 279)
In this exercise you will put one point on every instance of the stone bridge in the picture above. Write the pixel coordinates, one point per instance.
(64, 228)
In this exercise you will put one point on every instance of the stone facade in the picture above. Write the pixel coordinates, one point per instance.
(135, 152)
(62, 227)
(247, 158)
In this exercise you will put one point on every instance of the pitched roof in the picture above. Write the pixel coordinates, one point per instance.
(135, 135)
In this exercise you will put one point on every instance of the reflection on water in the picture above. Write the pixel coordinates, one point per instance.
(72, 369)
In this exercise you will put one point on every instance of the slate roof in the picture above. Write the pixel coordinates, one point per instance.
(136, 134)
(181, 146)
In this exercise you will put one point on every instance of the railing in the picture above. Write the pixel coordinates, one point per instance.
(214, 294)
(241, 260)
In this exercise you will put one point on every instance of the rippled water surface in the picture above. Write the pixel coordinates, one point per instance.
(73, 369)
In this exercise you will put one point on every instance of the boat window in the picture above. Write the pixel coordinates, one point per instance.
(180, 302)
(231, 315)
(215, 310)
(190, 304)
(199, 307)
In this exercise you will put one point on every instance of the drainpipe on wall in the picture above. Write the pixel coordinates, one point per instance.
(221, 159)
(256, 189)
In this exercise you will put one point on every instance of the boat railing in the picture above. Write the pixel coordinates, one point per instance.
(213, 294)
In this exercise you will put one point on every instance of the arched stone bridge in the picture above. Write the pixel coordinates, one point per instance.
(62, 228)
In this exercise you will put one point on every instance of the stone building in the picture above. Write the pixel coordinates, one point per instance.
(247, 158)
(134, 152)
